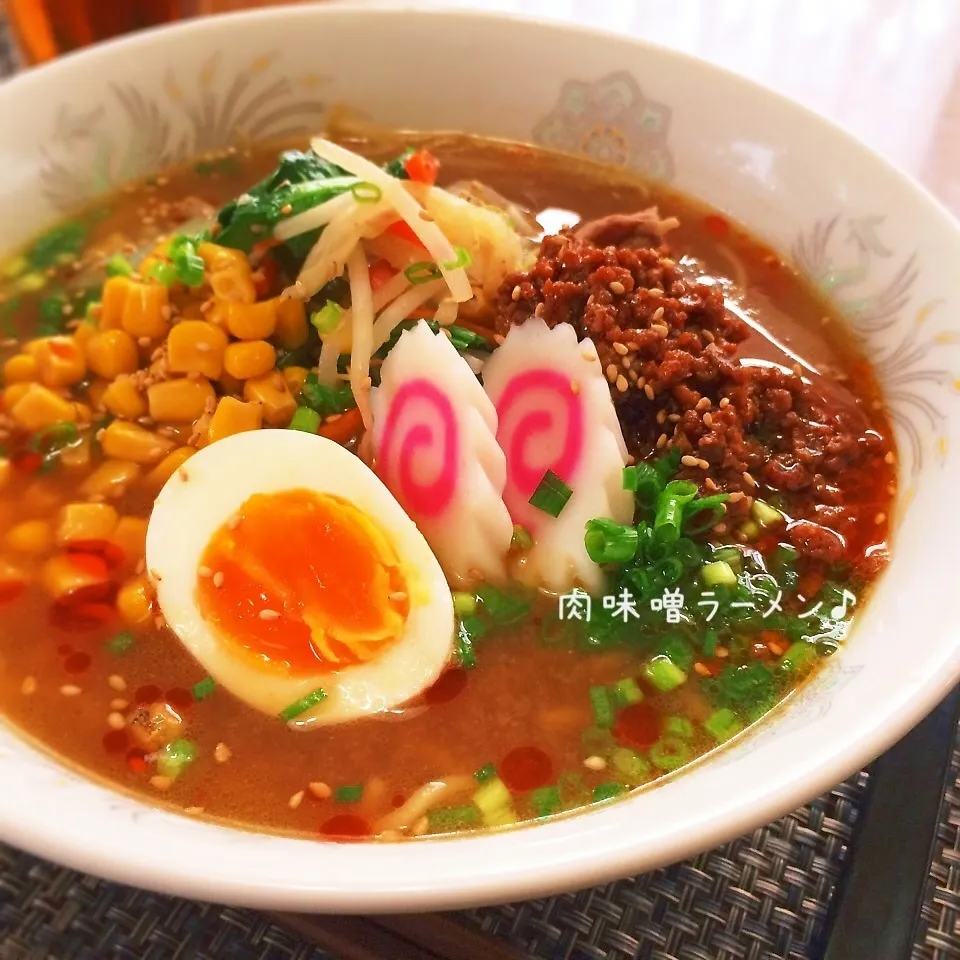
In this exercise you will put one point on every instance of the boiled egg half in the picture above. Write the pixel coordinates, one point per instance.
(291, 573)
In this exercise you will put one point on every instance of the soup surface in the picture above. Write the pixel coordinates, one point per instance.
(758, 468)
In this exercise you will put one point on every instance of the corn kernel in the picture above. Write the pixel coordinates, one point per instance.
(166, 468)
(40, 499)
(230, 384)
(247, 321)
(111, 479)
(111, 353)
(272, 391)
(40, 407)
(195, 346)
(83, 412)
(20, 368)
(113, 302)
(127, 441)
(217, 258)
(85, 523)
(292, 329)
(60, 362)
(295, 377)
(233, 416)
(6, 472)
(13, 393)
(130, 537)
(83, 333)
(77, 455)
(135, 601)
(31, 536)
(62, 576)
(145, 313)
(253, 358)
(229, 273)
(123, 399)
(13, 577)
(179, 400)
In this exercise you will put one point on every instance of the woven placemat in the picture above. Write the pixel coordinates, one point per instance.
(762, 897)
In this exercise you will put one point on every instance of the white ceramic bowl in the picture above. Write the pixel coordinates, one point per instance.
(884, 249)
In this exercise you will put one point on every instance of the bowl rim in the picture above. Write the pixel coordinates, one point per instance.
(516, 878)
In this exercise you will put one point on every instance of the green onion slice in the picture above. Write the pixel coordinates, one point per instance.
(204, 688)
(463, 259)
(176, 757)
(327, 319)
(421, 272)
(365, 192)
(306, 420)
(303, 704)
(352, 793)
(551, 495)
(118, 266)
(610, 542)
(487, 772)
(700, 515)
(53, 438)
(120, 644)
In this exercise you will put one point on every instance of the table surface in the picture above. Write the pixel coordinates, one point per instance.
(888, 71)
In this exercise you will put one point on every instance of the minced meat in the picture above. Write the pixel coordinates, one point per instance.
(668, 348)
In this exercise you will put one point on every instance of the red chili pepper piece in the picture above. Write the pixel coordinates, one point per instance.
(526, 768)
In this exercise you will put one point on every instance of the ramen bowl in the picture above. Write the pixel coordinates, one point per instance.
(874, 242)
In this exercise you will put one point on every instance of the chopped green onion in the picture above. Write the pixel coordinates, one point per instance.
(603, 709)
(121, 644)
(679, 727)
(303, 704)
(701, 515)
(501, 607)
(464, 604)
(718, 573)
(750, 530)
(645, 483)
(799, 657)
(204, 688)
(448, 819)
(607, 791)
(551, 495)
(545, 801)
(188, 264)
(765, 515)
(327, 318)
(495, 803)
(667, 465)
(470, 629)
(709, 642)
(118, 266)
(365, 192)
(610, 542)
(521, 539)
(729, 555)
(596, 742)
(664, 674)
(352, 793)
(463, 259)
(421, 272)
(627, 691)
(670, 753)
(305, 419)
(54, 438)
(487, 772)
(668, 522)
(722, 724)
(164, 273)
(175, 757)
(629, 764)
(327, 400)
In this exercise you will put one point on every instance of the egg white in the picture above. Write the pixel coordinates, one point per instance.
(210, 488)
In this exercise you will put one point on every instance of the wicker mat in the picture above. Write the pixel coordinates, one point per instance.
(762, 897)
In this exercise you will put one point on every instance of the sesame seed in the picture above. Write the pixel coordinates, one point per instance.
(880, 518)
(539, 310)
(517, 293)
(689, 461)
(661, 416)
(218, 579)
(626, 363)
(269, 615)
(890, 458)
(662, 441)
(720, 528)
(703, 404)
(736, 496)
(287, 208)
(29, 686)
(117, 683)
(613, 371)
(702, 669)
(234, 522)
(776, 648)
(143, 341)
(296, 800)
(621, 348)
(648, 390)
(574, 387)
(708, 419)
(660, 329)
(498, 339)
(673, 417)
(622, 383)
(141, 566)
(641, 382)
(161, 783)
(748, 479)
(616, 287)
(634, 378)
(725, 402)
(193, 811)
(658, 313)
(116, 721)
(588, 355)
(891, 488)
(595, 763)
(398, 596)
(420, 827)
(320, 790)
(118, 703)
(426, 215)
(797, 369)
(70, 690)
(655, 293)
(222, 753)
(722, 652)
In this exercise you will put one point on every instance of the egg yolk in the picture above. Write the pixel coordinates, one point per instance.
(303, 580)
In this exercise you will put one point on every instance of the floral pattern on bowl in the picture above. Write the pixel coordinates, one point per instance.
(612, 121)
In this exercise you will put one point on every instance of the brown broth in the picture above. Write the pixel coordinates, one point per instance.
(522, 692)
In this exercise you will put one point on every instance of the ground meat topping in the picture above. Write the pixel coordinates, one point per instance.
(668, 346)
